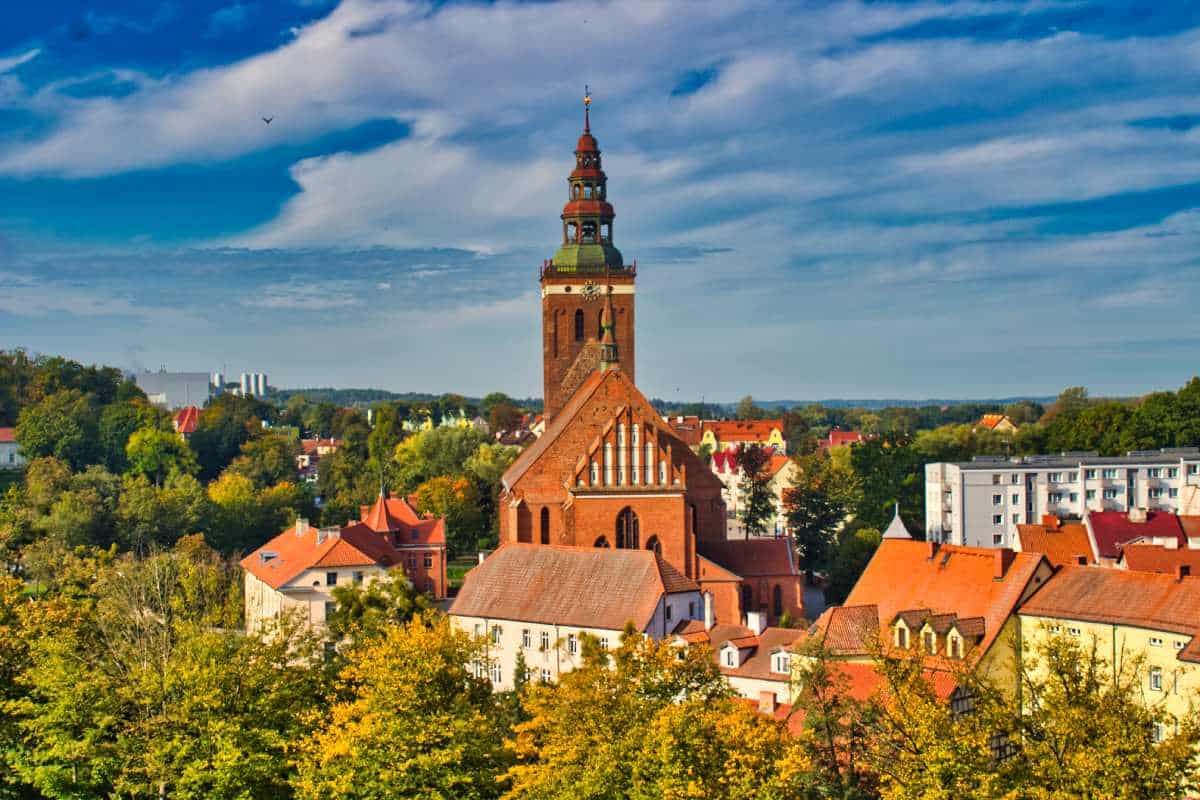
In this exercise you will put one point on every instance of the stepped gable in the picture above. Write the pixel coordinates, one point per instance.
(906, 575)
(576, 586)
(583, 421)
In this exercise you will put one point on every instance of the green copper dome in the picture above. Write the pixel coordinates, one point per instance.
(587, 258)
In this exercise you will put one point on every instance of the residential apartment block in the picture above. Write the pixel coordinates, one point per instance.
(982, 502)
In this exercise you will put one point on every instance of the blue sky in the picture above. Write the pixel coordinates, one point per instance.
(829, 199)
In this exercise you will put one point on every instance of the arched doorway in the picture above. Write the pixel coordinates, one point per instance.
(654, 544)
(545, 525)
(627, 529)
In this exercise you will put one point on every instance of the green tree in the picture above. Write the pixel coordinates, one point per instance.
(149, 515)
(118, 422)
(415, 721)
(268, 459)
(889, 471)
(62, 425)
(854, 549)
(747, 410)
(817, 505)
(434, 453)
(228, 422)
(371, 608)
(457, 501)
(155, 454)
(756, 501)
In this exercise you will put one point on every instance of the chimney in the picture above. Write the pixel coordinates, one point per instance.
(710, 613)
(766, 702)
(1004, 558)
(1081, 561)
(1183, 571)
(301, 526)
(756, 621)
(1050, 522)
(933, 548)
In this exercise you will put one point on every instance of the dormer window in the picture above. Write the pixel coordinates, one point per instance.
(955, 646)
(902, 637)
(930, 642)
(781, 663)
(729, 656)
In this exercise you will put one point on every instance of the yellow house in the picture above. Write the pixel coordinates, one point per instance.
(721, 435)
(1129, 616)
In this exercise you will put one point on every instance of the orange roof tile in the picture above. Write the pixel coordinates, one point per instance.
(1061, 546)
(304, 547)
(1156, 558)
(8, 435)
(742, 430)
(1122, 597)
(186, 419)
(1190, 525)
(903, 575)
(397, 515)
(847, 630)
(990, 421)
(752, 557)
(585, 587)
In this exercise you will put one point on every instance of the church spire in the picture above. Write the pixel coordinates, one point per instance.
(587, 218)
(609, 357)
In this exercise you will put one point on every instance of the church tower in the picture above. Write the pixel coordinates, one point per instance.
(584, 282)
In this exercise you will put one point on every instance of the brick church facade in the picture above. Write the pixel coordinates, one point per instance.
(609, 471)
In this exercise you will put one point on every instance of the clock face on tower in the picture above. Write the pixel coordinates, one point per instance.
(590, 291)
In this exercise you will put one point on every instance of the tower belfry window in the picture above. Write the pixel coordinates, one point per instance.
(589, 231)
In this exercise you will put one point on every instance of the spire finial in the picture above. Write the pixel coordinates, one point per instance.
(609, 356)
(587, 102)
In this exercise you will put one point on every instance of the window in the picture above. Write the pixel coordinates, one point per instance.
(1015, 478)
(781, 663)
(331, 579)
(497, 674)
(996, 479)
(572, 643)
(526, 638)
(1156, 679)
(545, 640)
(545, 525)
(428, 561)
(1110, 494)
(667, 606)
(1158, 732)
(1073, 497)
(1056, 497)
(729, 656)
(997, 519)
(1090, 474)
(545, 676)
(1054, 477)
(627, 529)
(1154, 472)
(691, 609)
(997, 499)
(358, 576)
(955, 647)
(330, 607)
(479, 629)
(1056, 629)
(1172, 472)
(497, 632)
(411, 561)
(1016, 519)
(1016, 499)
(579, 324)
(1109, 474)
(1156, 641)
(1072, 477)
(1090, 494)
(777, 601)
(901, 637)
(604, 643)
(1156, 493)
(1172, 493)
(1074, 631)
(1180, 644)
(1193, 469)
(930, 643)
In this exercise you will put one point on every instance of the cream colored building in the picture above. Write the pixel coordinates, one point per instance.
(783, 477)
(1143, 619)
(542, 602)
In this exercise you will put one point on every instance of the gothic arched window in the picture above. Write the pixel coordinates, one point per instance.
(747, 598)
(627, 529)
(579, 324)
(654, 545)
(545, 525)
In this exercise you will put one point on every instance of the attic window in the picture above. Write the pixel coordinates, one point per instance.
(781, 663)
(930, 643)
(729, 656)
(267, 555)
(955, 647)
(901, 637)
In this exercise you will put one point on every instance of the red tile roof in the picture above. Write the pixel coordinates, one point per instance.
(303, 547)
(758, 664)
(687, 428)
(186, 419)
(1061, 545)
(903, 575)
(839, 438)
(742, 430)
(397, 515)
(1190, 525)
(1112, 529)
(8, 435)
(585, 587)
(1156, 558)
(847, 630)
(311, 446)
(750, 558)
(1122, 597)
(990, 421)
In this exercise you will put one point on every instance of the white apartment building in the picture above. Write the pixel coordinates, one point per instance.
(980, 503)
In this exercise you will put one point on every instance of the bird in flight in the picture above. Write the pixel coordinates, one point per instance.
(267, 120)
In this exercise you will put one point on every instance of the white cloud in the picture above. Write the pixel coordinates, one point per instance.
(12, 62)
